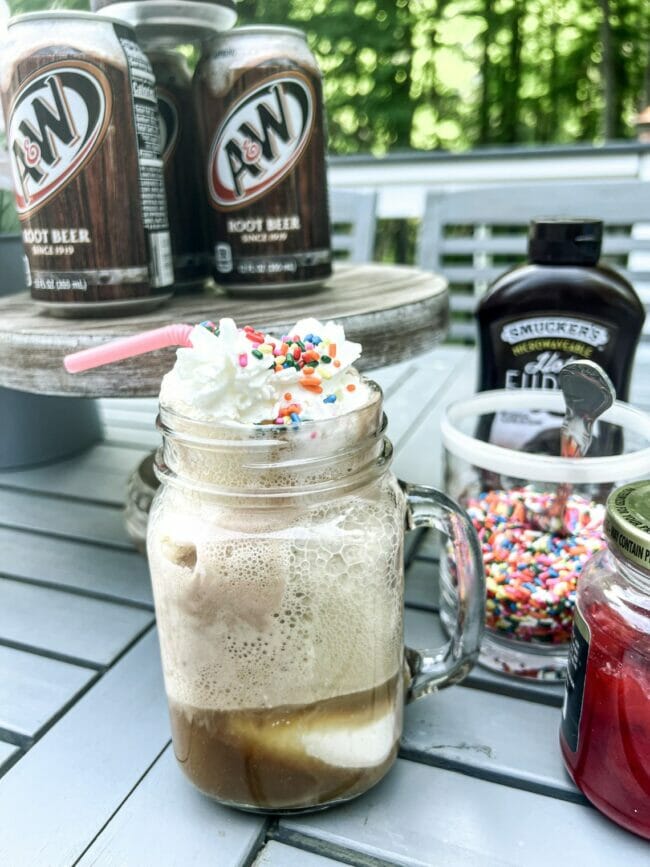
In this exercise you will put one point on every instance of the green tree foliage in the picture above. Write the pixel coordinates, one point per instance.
(460, 73)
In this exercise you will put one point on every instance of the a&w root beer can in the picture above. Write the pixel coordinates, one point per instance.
(260, 109)
(84, 143)
(183, 176)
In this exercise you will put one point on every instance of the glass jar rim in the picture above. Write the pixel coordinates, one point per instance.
(300, 451)
(255, 434)
(542, 468)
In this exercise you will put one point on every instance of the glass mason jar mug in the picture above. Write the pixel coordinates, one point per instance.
(276, 561)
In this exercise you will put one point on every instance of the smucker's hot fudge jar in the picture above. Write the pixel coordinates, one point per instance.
(605, 733)
(275, 547)
(563, 305)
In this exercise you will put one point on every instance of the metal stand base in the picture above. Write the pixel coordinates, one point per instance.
(36, 428)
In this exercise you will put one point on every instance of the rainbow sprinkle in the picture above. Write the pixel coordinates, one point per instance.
(310, 356)
(211, 327)
(532, 575)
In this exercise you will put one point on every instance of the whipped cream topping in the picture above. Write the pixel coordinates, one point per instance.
(242, 375)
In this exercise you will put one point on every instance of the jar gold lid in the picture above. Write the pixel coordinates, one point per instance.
(627, 523)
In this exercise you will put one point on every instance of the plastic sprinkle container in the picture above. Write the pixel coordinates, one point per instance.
(532, 560)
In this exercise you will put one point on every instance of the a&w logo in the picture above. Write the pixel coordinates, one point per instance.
(260, 140)
(56, 122)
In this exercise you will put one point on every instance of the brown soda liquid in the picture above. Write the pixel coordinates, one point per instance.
(260, 758)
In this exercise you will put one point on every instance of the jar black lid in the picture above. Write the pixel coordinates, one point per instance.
(565, 242)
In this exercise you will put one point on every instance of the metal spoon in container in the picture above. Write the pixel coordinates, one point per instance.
(588, 393)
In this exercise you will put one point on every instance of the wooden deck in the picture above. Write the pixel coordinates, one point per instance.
(87, 774)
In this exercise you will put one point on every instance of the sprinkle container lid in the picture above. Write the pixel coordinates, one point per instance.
(462, 415)
(627, 523)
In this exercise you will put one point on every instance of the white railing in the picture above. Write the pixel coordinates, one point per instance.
(402, 181)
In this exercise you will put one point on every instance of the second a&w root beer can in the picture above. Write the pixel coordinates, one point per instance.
(259, 105)
(183, 176)
(84, 143)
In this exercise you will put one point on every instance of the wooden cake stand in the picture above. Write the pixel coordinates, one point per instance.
(394, 312)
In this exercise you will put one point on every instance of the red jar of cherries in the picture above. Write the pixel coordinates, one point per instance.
(605, 732)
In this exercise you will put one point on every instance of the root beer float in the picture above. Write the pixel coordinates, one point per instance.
(84, 142)
(259, 103)
(275, 544)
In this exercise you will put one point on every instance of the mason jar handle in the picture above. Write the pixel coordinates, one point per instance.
(434, 669)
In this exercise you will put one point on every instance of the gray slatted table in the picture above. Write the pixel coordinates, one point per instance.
(87, 774)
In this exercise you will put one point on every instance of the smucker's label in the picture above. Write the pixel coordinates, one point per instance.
(554, 329)
(533, 351)
(57, 121)
(260, 140)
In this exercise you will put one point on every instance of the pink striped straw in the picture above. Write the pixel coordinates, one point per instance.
(128, 347)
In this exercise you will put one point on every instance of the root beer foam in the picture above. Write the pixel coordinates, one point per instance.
(281, 641)
(260, 107)
(84, 142)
